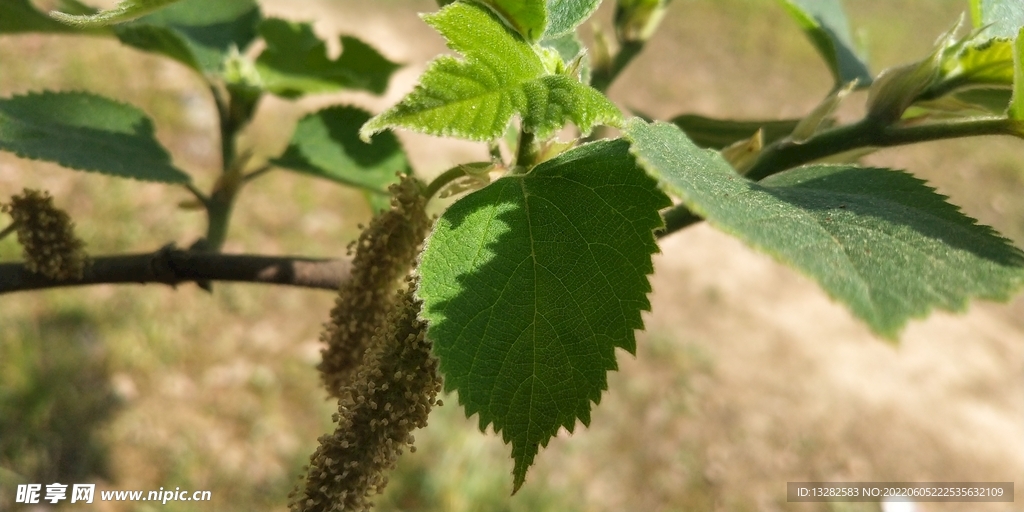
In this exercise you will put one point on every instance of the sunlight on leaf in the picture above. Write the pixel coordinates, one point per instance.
(824, 22)
(530, 285)
(565, 15)
(86, 132)
(1003, 18)
(198, 33)
(878, 240)
(296, 62)
(528, 17)
(326, 144)
(1017, 102)
(126, 10)
(502, 75)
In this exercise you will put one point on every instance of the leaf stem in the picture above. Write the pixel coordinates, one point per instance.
(218, 212)
(227, 128)
(257, 173)
(602, 78)
(786, 154)
(677, 218)
(525, 153)
(200, 196)
(221, 201)
(444, 179)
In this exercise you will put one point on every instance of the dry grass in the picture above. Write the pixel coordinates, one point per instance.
(747, 376)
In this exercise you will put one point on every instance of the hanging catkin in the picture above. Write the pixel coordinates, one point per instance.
(390, 395)
(47, 236)
(384, 253)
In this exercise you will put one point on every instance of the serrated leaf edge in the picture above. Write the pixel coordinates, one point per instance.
(889, 334)
(470, 410)
(187, 177)
(274, 161)
(376, 124)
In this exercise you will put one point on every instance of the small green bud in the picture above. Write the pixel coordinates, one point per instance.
(897, 88)
(636, 20)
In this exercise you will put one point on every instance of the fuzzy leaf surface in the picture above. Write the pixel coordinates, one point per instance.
(565, 15)
(126, 10)
(825, 23)
(502, 75)
(878, 240)
(531, 283)
(572, 52)
(197, 33)
(326, 144)
(1003, 17)
(1016, 110)
(296, 62)
(86, 132)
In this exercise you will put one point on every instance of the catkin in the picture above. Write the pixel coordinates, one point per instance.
(390, 395)
(47, 236)
(384, 253)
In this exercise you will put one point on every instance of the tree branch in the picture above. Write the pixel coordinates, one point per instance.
(172, 266)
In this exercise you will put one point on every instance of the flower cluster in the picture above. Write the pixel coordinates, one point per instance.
(47, 236)
(384, 253)
(389, 396)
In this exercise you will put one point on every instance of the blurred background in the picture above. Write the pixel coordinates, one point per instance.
(746, 377)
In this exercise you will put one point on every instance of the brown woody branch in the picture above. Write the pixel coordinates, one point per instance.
(172, 266)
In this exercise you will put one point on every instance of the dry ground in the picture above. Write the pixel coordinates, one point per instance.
(747, 375)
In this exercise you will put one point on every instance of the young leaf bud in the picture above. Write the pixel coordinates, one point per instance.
(384, 253)
(636, 20)
(391, 395)
(47, 236)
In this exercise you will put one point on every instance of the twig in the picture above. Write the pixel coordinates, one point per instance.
(257, 173)
(200, 196)
(8, 230)
(172, 266)
(786, 154)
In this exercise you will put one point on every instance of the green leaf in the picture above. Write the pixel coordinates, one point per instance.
(565, 15)
(296, 62)
(502, 75)
(572, 52)
(530, 284)
(878, 240)
(992, 100)
(126, 10)
(824, 22)
(86, 132)
(326, 144)
(17, 16)
(528, 17)
(988, 63)
(1003, 18)
(198, 33)
(708, 132)
(1016, 110)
